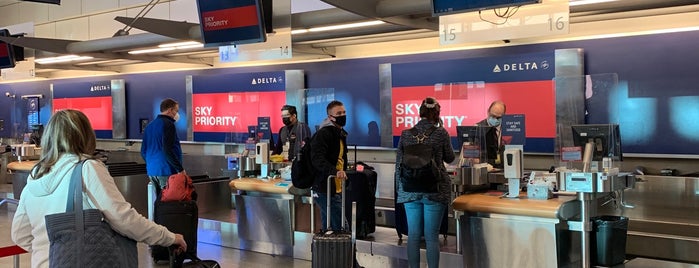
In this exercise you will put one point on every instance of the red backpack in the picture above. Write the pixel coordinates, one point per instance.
(179, 188)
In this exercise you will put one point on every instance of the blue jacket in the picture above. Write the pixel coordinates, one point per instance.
(161, 147)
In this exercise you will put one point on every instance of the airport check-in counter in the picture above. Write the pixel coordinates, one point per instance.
(272, 219)
(503, 232)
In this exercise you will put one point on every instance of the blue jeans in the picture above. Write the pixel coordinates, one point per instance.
(424, 219)
(336, 217)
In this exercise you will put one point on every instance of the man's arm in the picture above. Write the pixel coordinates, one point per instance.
(169, 143)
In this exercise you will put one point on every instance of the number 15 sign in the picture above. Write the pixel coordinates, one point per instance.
(548, 18)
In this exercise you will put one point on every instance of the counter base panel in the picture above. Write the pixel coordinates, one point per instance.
(265, 219)
(517, 241)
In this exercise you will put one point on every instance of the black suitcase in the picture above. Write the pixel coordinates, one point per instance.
(333, 248)
(361, 188)
(401, 219)
(180, 217)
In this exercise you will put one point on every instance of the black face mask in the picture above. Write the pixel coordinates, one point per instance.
(340, 120)
(286, 121)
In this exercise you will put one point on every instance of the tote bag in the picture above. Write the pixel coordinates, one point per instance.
(82, 238)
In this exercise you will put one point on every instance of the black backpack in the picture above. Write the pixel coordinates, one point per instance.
(302, 171)
(418, 169)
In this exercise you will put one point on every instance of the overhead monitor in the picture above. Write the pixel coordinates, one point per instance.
(55, 2)
(445, 7)
(605, 137)
(231, 22)
(7, 53)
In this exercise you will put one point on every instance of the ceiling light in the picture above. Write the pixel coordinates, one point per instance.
(338, 27)
(299, 31)
(151, 50)
(197, 45)
(180, 44)
(588, 2)
(59, 59)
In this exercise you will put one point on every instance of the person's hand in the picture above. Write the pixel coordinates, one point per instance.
(341, 175)
(181, 245)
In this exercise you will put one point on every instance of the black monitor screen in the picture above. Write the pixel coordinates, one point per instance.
(55, 2)
(606, 139)
(444, 7)
(231, 22)
(473, 135)
(7, 57)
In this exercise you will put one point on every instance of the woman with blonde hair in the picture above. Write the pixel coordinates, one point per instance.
(69, 139)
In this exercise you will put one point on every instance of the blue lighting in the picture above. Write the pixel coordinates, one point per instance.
(684, 116)
(637, 117)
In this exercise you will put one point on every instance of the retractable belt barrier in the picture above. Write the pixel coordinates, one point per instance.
(13, 250)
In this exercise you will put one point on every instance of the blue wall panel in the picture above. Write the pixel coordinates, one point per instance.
(657, 80)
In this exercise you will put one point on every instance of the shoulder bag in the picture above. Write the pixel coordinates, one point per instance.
(82, 238)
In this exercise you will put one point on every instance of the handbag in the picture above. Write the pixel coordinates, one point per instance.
(82, 238)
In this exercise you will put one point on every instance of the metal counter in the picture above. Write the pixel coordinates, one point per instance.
(502, 232)
(271, 220)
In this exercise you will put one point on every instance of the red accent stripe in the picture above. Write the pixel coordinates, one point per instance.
(11, 251)
(230, 18)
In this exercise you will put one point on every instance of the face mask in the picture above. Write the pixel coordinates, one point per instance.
(177, 117)
(286, 121)
(340, 120)
(494, 121)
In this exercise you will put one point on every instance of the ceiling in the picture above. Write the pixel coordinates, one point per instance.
(405, 19)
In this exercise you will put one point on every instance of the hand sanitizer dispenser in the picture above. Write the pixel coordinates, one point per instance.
(262, 158)
(513, 170)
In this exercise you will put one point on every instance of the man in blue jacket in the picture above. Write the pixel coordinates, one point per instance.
(161, 147)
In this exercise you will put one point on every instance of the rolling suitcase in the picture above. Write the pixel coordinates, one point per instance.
(361, 188)
(181, 217)
(332, 248)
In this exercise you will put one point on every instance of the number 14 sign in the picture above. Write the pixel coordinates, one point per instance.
(548, 18)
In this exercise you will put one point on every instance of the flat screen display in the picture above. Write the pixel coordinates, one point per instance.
(605, 137)
(444, 7)
(7, 57)
(231, 22)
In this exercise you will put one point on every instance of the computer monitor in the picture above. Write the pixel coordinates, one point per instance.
(474, 135)
(7, 53)
(606, 139)
(444, 7)
(231, 22)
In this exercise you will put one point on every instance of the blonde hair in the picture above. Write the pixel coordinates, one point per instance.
(68, 132)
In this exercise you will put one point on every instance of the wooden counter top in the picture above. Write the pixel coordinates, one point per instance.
(22, 166)
(492, 202)
(274, 186)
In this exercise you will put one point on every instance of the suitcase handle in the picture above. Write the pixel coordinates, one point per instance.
(329, 193)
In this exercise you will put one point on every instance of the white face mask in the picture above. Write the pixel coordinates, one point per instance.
(177, 117)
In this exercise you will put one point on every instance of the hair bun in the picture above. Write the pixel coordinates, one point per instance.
(430, 102)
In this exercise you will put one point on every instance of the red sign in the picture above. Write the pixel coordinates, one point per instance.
(230, 18)
(465, 104)
(97, 109)
(234, 112)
